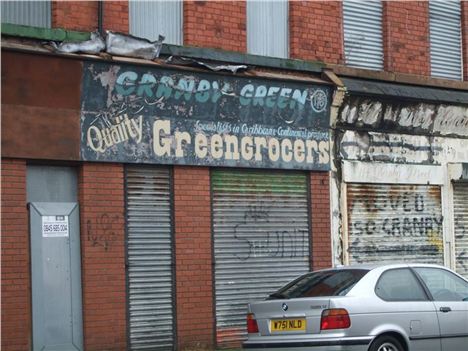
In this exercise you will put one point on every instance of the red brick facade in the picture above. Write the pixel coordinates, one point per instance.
(16, 282)
(101, 196)
(315, 28)
(83, 15)
(320, 218)
(192, 207)
(315, 31)
(406, 37)
(215, 24)
(464, 5)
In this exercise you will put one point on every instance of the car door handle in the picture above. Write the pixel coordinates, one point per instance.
(445, 309)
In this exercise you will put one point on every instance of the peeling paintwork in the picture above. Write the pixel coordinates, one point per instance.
(401, 148)
(387, 173)
(411, 118)
(386, 146)
(451, 120)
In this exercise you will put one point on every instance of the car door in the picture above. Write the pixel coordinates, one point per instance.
(407, 308)
(450, 298)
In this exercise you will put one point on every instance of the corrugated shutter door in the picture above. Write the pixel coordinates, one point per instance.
(27, 13)
(267, 28)
(445, 39)
(150, 258)
(261, 241)
(394, 223)
(149, 19)
(362, 27)
(460, 206)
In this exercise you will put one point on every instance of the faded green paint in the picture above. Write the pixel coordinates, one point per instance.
(56, 34)
(258, 181)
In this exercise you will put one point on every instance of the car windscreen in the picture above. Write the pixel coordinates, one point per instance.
(323, 283)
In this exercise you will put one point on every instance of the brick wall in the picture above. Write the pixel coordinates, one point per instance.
(464, 5)
(315, 31)
(320, 209)
(215, 24)
(195, 322)
(16, 287)
(83, 15)
(406, 37)
(101, 194)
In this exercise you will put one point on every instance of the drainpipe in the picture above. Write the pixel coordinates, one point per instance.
(100, 12)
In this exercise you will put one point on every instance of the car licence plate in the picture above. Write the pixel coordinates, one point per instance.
(288, 325)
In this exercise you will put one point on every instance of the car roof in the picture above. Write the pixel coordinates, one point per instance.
(371, 266)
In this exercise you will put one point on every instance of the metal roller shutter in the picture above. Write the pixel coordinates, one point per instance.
(392, 223)
(149, 19)
(150, 258)
(27, 13)
(267, 28)
(362, 27)
(460, 207)
(261, 241)
(445, 39)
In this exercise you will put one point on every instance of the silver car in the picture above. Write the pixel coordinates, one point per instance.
(398, 307)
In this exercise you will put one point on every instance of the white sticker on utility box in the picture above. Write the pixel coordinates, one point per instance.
(55, 226)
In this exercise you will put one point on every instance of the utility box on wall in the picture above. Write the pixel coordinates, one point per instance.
(56, 276)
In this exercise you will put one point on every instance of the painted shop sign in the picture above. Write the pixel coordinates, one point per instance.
(421, 118)
(402, 148)
(145, 115)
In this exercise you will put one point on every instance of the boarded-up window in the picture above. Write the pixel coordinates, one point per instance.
(149, 19)
(445, 38)
(362, 25)
(267, 28)
(27, 13)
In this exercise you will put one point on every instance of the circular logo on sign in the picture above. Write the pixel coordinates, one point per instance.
(284, 307)
(319, 100)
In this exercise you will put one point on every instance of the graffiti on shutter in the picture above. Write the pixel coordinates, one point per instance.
(389, 223)
(261, 241)
(460, 206)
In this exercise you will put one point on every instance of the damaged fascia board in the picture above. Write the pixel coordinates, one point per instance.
(93, 46)
(117, 44)
(241, 58)
(211, 66)
(404, 91)
(129, 46)
(414, 118)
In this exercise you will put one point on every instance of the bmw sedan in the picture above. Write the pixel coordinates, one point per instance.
(399, 307)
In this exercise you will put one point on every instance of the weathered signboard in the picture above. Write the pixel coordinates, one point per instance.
(406, 117)
(139, 114)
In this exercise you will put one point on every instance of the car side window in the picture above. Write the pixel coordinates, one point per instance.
(399, 284)
(443, 285)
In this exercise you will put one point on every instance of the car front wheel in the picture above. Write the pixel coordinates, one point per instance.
(386, 343)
